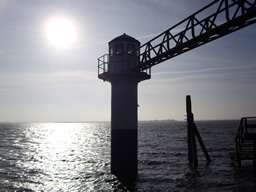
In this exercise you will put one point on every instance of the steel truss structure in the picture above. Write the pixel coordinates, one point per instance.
(219, 18)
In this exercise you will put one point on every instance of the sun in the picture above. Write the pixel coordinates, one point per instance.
(61, 32)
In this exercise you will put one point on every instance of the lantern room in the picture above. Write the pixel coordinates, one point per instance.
(123, 54)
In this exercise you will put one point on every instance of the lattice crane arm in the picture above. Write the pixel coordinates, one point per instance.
(215, 20)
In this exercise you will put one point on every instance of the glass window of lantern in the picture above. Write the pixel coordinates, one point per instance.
(119, 49)
(111, 51)
(138, 53)
(130, 49)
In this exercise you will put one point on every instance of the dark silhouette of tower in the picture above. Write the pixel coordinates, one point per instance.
(123, 56)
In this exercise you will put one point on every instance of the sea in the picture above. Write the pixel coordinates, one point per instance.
(76, 157)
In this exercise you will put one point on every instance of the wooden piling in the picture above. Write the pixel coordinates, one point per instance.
(193, 133)
(192, 150)
(254, 155)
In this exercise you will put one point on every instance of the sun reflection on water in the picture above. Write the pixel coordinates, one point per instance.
(63, 155)
(61, 137)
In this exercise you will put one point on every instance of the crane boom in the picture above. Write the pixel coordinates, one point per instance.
(226, 16)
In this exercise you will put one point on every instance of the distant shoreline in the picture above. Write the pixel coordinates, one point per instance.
(139, 121)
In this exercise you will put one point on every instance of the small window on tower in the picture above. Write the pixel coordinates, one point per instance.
(119, 49)
(130, 49)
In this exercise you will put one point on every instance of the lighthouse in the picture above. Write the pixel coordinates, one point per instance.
(117, 68)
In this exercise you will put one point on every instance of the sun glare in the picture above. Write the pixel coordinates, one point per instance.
(61, 32)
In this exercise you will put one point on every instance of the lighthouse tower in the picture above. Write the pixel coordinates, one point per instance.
(116, 67)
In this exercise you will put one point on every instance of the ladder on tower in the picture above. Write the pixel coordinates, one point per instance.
(246, 140)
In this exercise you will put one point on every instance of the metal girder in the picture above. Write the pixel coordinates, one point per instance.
(217, 19)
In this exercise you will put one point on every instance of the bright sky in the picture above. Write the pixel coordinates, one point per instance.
(43, 78)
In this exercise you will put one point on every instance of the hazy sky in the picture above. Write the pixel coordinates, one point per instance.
(42, 82)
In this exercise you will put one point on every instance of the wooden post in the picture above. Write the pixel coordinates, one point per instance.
(192, 151)
(254, 155)
(201, 143)
(192, 132)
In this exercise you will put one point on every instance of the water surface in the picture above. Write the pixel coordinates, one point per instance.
(76, 157)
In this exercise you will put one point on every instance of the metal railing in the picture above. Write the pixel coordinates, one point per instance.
(103, 64)
(243, 130)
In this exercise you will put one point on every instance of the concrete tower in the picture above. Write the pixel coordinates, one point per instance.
(116, 68)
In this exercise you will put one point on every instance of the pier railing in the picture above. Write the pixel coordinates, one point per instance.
(246, 135)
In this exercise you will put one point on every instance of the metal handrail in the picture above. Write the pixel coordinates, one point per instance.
(103, 63)
(242, 130)
(239, 134)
